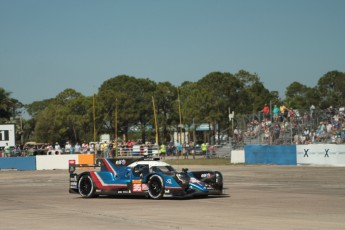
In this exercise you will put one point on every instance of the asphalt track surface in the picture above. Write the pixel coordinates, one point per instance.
(256, 197)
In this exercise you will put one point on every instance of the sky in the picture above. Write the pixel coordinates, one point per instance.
(47, 46)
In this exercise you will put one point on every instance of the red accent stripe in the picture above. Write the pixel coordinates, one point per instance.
(109, 167)
(99, 184)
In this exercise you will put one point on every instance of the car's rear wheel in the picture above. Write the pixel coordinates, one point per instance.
(156, 187)
(86, 186)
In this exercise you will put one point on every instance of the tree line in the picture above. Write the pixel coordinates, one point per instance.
(124, 102)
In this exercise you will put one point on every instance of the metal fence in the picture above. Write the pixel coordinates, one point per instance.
(298, 128)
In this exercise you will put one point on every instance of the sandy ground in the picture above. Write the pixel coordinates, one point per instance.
(257, 197)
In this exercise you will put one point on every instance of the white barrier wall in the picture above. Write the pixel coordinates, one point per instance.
(321, 154)
(237, 157)
(48, 162)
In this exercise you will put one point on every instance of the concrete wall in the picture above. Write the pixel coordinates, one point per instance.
(270, 154)
(321, 154)
(45, 162)
(316, 154)
(19, 163)
(237, 157)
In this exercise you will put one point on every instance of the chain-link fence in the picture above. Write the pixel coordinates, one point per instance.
(294, 127)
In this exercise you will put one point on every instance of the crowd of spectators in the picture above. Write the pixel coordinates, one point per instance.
(288, 126)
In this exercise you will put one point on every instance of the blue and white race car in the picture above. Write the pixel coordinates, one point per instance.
(142, 177)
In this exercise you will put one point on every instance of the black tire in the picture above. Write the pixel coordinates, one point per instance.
(156, 187)
(86, 187)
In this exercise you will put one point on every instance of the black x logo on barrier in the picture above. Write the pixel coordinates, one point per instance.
(306, 152)
(326, 154)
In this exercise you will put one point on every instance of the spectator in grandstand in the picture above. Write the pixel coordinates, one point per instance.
(276, 133)
(320, 134)
(257, 128)
(283, 111)
(329, 130)
(305, 118)
(331, 111)
(266, 111)
(306, 136)
(267, 135)
(291, 115)
(335, 123)
(275, 113)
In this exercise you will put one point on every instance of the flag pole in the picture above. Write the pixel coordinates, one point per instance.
(116, 144)
(155, 117)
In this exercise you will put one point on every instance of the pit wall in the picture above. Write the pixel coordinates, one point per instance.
(316, 155)
(45, 162)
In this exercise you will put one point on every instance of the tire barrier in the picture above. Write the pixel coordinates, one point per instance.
(54, 152)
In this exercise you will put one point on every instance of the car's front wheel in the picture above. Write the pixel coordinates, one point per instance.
(156, 187)
(86, 186)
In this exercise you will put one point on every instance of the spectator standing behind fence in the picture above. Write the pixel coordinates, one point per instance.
(266, 111)
(57, 146)
(178, 149)
(276, 133)
(283, 112)
(7, 150)
(68, 147)
(84, 147)
(77, 148)
(163, 151)
(275, 113)
(186, 150)
(235, 135)
(204, 149)
(306, 136)
(291, 115)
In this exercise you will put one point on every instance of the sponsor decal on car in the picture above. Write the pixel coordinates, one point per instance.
(120, 162)
(144, 187)
(206, 175)
(73, 182)
(136, 188)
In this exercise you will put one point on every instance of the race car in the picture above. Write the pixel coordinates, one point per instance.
(142, 176)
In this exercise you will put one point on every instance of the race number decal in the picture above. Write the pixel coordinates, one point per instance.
(136, 186)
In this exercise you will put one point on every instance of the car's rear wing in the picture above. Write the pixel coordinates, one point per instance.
(72, 166)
